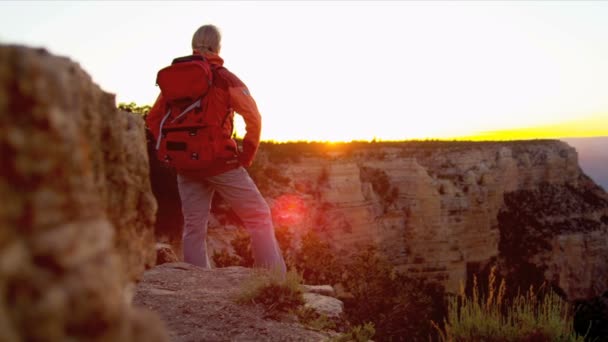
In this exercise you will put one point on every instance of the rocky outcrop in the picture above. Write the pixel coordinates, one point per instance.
(200, 305)
(165, 254)
(329, 306)
(77, 210)
(443, 210)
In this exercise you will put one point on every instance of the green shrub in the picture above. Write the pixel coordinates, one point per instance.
(278, 294)
(316, 261)
(399, 307)
(396, 305)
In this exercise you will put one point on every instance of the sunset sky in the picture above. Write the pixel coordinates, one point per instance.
(356, 70)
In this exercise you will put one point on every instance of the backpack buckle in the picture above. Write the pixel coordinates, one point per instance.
(194, 156)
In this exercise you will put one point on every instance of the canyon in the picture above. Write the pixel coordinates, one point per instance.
(79, 218)
(445, 210)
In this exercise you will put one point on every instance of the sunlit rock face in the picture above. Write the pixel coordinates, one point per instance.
(77, 211)
(444, 210)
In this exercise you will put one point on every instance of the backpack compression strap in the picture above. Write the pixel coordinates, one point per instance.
(196, 104)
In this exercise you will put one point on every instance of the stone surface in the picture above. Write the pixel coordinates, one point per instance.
(325, 305)
(77, 210)
(325, 290)
(200, 305)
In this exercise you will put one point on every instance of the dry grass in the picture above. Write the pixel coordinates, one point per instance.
(527, 317)
(278, 293)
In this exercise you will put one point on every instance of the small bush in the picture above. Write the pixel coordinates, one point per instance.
(316, 261)
(224, 259)
(400, 307)
(532, 316)
(313, 320)
(278, 294)
(133, 107)
(242, 247)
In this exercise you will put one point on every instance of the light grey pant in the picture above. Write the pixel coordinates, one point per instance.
(241, 193)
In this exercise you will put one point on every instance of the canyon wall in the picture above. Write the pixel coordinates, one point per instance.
(77, 211)
(442, 210)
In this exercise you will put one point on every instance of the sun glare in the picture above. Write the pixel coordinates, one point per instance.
(358, 70)
(289, 210)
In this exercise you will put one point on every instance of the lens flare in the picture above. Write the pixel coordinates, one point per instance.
(289, 210)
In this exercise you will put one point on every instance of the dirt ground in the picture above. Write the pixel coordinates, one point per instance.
(199, 305)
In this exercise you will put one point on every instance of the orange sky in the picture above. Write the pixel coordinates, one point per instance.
(592, 126)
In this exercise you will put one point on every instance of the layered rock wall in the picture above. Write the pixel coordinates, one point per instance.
(438, 210)
(77, 211)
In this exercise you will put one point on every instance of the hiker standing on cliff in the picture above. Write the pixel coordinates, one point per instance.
(224, 172)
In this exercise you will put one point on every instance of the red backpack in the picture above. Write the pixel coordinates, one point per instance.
(189, 137)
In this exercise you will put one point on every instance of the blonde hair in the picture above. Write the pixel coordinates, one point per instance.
(207, 39)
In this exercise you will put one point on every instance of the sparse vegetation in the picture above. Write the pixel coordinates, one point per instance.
(316, 261)
(133, 107)
(241, 244)
(397, 305)
(393, 303)
(381, 185)
(526, 220)
(312, 319)
(278, 294)
(533, 316)
(267, 177)
(223, 258)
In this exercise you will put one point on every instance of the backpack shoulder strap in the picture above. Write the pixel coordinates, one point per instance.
(190, 58)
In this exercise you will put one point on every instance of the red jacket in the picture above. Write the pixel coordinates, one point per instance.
(227, 95)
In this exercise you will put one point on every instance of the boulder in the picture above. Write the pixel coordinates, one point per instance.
(165, 254)
(324, 305)
(77, 211)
